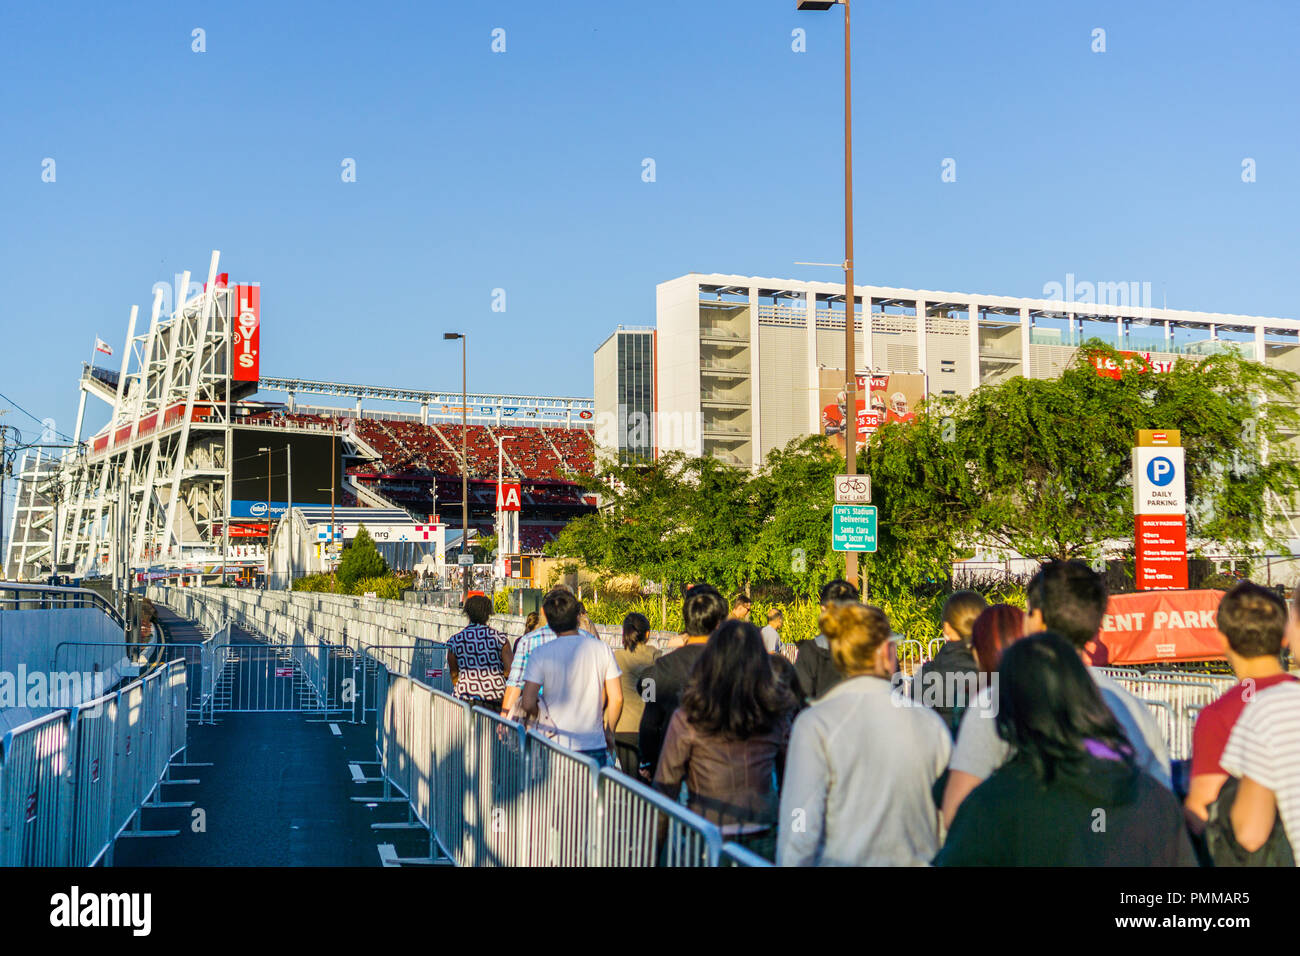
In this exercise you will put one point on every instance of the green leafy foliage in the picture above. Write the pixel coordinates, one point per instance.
(1042, 467)
(361, 560)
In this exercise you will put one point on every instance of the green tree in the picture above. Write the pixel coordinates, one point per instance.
(1042, 467)
(680, 519)
(361, 560)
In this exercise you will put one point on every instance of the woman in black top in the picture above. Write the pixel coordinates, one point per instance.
(1071, 794)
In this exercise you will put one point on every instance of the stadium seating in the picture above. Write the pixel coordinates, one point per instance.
(417, 462)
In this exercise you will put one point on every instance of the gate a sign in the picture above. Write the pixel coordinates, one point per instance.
(1160, 511)
(508, 497)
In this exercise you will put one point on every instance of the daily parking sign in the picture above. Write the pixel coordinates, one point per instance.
(1158, 486)
(853, 528)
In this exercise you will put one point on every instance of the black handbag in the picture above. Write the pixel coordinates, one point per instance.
(1221, 841)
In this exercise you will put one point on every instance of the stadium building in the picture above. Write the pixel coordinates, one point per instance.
(194, 468)
(743, 364)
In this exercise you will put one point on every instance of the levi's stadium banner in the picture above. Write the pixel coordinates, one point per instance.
(247, 337)
(1152, 626)
(1107, 367)
(882, 398)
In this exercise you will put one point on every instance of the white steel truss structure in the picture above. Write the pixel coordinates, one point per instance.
(151, 491)
(158, 470)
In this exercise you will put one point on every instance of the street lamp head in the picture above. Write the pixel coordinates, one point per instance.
(453, 335)
(814, 4)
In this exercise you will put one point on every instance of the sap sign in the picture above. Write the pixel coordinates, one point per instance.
(243, 508)
(1158, 486)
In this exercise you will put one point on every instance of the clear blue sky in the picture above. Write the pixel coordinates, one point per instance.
(522, 170)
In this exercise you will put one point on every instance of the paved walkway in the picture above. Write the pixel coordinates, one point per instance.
(278, 793)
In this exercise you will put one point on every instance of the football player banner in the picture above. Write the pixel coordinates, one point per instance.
(882, 398)
(1147, 627)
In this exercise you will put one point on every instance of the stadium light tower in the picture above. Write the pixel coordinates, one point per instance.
(464, 463)
(850, 364)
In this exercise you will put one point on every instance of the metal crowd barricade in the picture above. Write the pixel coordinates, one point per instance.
(94, 739)
(561, 804)
(452, 796)
(642, 827)
(1178, 695)
(498, 832)
(911, 655)
(34, 792)
(733, 854)
(1168, 723)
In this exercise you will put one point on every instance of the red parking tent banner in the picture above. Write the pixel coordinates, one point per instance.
(1149, 627)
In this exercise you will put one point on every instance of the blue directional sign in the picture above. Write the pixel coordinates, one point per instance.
(853, 528)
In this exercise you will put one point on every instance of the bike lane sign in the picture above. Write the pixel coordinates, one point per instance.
(853, 489)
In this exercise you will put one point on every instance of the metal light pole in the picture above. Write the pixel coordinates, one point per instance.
(267, 584)
(464, 462)
(288, 516)
(850, 357)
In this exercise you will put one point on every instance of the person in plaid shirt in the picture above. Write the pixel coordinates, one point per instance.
(478, 657)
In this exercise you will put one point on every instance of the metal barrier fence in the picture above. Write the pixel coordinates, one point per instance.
(73, 781)
(642, 827)
(1174, 698)
(493, 794)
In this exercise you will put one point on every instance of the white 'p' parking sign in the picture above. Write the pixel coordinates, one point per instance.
(1158, 485)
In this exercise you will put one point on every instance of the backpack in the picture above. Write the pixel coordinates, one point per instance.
(1221, 841)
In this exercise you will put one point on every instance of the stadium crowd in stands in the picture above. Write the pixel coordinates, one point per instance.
(839, 760)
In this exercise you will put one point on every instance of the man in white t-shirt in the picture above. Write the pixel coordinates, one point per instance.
(1264, 752)
(571, 684)
(1067, 597)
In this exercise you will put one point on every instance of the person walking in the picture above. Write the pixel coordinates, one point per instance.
(663, 682)
(1069, 599)
(727, 740)
(772, 632)
(948, 681)
(571, 684)
(862, 760)
(1254, 622)
(478, 657)
(813, 662)
(1072, 794)
(635, 657)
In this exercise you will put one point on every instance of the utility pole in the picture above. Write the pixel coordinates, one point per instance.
(334, 454)
(288, 515)
(850, 309)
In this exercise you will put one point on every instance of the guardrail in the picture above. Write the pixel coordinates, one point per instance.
(32, 596)
(73, 781)
(493, 794)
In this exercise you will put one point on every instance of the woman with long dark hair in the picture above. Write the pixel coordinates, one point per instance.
(1072, 794)
(728, 737)
(635, 657)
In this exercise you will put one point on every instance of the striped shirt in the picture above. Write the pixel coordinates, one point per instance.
(1265, 746)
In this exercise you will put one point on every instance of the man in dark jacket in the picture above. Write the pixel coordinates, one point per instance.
(661, 686)
(947, 683)
(812, 663)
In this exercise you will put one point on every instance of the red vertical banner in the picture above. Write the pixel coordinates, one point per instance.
(247, 336)
(1161, 552)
